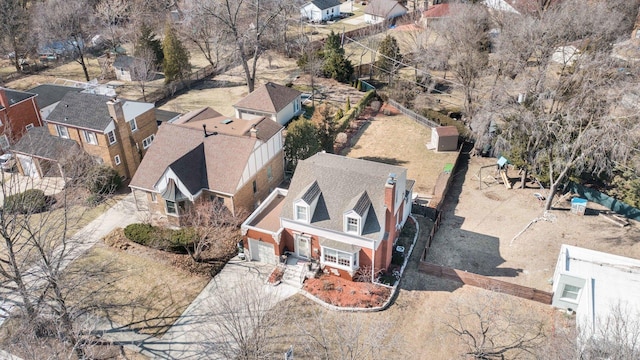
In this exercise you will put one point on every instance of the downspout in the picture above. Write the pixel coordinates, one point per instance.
(373, 262)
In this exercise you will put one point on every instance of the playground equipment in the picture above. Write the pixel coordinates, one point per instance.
(499, 175)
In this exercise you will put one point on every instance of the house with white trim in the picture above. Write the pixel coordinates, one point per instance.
(198, 158)
(320, 10)
(273, 101)
(341, 212)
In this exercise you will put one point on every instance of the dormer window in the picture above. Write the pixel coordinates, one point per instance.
(302, 213)
(353, 225)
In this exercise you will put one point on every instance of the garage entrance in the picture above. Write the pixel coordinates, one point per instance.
(262, 251)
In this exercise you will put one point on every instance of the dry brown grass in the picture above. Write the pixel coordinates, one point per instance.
(401, 141)
(150, 294)
(71, 71)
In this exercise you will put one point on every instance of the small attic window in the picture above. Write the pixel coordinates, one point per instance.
(226, 121)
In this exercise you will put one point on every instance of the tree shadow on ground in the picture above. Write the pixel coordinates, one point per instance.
(460, 249)
(384, 160)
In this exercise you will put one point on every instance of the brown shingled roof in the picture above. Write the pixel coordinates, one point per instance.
(269, 98)
(220, 159)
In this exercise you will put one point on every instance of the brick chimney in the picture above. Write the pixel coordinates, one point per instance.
(390, 192)
(115, 110)
(129, 155)
(390, 219)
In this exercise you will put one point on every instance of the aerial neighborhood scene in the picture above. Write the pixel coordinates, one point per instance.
(320, 179)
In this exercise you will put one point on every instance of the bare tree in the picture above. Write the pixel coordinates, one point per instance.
(216, 228)
(465, 33)
(41, 292)
(202, 30)
(249, 24)
(491, 328)
(14, 29)
(569, 120)
(111, 16)
(244, 317)
(70, 22)
(144, 69)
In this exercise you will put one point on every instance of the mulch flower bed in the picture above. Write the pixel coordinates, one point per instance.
(344, 293)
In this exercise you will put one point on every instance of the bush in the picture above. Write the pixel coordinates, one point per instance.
(140, 233)
(30, 201)
(177, 241)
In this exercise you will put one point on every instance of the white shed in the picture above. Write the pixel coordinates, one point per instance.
(320, 10)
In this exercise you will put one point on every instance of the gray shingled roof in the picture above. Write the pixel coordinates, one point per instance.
(38, 142)
(87, 111)
(15, 96)
(311, 193)
(342, 179)
(360, 203)
(269, 98)
(381, 8)
(50, 94)
(325, 4)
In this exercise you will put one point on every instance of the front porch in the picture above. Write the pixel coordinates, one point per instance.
(296, 269)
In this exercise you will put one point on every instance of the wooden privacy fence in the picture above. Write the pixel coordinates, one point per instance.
(486, 283)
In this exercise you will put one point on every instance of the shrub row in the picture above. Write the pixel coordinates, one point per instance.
(177, 241)
(356, 110)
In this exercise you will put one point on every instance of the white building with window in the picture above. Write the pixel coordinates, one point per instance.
(272, 101)
(595, 284)
(320, 10)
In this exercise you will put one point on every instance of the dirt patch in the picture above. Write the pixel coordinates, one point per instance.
(480, 227)
(343, 293)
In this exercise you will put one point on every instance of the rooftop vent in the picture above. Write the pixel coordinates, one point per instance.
(226, 121)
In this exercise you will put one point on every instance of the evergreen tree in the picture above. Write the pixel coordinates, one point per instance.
(176, 58)
(389, 56)
(335, 65)
(301, 142)
(147, 41)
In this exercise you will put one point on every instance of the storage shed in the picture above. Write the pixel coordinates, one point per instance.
(444, 138)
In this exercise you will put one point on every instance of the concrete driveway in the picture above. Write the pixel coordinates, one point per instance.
(196, 335)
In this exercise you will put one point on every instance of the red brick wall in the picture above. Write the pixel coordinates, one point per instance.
(19, 116)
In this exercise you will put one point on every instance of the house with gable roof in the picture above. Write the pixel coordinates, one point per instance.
(378, 11)
(342, 212)
(116, 132)
(273, 101)
(19, 112)
(234, 161)
(320, 10)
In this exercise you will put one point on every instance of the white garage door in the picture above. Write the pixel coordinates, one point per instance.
(262, 251)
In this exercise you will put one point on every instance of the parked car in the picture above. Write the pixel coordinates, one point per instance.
(7, 162)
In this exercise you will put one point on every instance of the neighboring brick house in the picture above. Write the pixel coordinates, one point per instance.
(118, 132)
(238, 162)
(345, 213)
(19, 112)
(276, 102)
